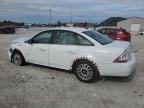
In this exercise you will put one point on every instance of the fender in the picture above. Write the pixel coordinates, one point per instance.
(16, 49)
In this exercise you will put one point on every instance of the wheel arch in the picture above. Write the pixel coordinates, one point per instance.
(84, 58)
(17, 50)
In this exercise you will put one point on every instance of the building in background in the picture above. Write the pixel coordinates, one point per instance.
(69, 25)
(134, 24)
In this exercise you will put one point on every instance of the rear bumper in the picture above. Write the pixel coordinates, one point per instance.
(119, 69)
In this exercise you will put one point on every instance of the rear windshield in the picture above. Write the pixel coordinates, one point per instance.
(102, 39)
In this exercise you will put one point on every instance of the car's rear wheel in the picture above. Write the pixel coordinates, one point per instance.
(18, 59)
(86, 71)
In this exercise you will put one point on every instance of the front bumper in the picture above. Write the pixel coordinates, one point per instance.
(119, 69)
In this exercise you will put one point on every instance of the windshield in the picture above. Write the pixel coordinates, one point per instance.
(102, 39)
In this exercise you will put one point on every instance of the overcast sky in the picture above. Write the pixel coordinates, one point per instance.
(82, 10)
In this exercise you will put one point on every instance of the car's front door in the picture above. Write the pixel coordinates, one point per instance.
(63, 50)
(37, 51)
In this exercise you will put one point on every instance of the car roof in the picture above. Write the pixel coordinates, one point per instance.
(74, 29)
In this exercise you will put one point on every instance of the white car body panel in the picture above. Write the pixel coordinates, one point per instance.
(63, 56)
(36, 53)
(118, 69)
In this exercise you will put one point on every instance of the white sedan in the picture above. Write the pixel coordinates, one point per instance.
(87, 53)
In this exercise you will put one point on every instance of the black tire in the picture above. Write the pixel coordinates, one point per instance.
(86, 71)
(18, 59)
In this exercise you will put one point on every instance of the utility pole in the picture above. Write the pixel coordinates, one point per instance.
(71, 17)
(50, 17)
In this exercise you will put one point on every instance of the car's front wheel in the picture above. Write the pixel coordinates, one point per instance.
(18, 59)
(86, 71)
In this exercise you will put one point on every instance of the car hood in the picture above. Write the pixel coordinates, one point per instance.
(21, 39)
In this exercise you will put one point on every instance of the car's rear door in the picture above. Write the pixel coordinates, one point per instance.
(63, 50)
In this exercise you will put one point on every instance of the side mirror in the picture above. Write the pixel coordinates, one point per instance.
(29, 41)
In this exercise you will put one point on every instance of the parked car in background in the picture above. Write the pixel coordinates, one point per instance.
(116, 34)
(141, 33)
(7, 30)
(87, 53)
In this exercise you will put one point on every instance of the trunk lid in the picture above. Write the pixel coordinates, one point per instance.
(118, 44)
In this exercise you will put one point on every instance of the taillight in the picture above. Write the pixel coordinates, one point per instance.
(125, 56)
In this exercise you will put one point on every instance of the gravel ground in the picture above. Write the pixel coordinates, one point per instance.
(34, 86)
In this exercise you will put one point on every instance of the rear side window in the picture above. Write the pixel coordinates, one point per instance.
(102, 39)
(64, 38)
(124, 31)
(83, 41)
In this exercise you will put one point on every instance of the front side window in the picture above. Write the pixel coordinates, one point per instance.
(102, 39)
(44, 37)
(64, 38)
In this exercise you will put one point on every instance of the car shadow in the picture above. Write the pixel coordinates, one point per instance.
(103, 78)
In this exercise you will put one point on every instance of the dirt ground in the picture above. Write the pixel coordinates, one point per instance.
(34, 86)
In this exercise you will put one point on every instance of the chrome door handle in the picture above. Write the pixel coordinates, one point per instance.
(42, 50)
(71, 52)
